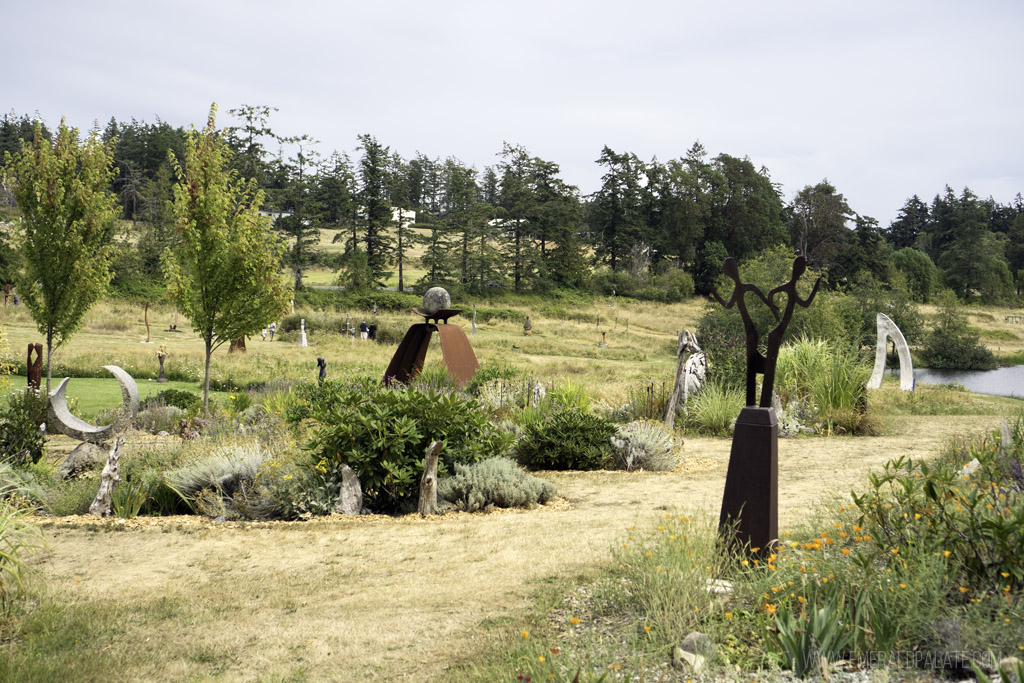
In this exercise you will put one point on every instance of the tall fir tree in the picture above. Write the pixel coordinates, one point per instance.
(301, 226)
(616, 215)
(376, 207)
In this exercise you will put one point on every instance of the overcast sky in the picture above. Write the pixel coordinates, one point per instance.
(885, 99)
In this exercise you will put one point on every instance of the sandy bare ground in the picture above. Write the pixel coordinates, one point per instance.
(382, 598)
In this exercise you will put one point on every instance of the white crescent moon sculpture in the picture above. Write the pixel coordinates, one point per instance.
(61, 419)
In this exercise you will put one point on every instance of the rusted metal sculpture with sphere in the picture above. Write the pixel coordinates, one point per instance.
(750, 504)
(459, 359)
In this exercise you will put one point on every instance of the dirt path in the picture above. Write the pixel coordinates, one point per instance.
(376, 598)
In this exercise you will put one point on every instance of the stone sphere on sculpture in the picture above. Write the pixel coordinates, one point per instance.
(435, 299)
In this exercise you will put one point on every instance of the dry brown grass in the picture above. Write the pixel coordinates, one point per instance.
(391, 598)
(558, 350)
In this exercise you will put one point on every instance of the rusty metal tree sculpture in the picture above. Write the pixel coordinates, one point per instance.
(750, 503)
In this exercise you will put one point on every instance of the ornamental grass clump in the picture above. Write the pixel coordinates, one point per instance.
(646, 445)
(18, 536)
(831, 380)
(714, 409)
(495, 482)
(646, 400)
(217, 477)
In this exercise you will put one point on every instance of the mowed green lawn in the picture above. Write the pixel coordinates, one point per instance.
(89, 396)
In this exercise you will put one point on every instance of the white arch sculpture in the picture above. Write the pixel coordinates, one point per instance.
(886, 329)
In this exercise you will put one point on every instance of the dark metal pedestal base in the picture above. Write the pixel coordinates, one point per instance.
(752, 484)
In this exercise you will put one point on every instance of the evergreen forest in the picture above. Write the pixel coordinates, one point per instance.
(653, 230)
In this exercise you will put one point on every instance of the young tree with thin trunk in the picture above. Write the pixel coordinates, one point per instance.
(223, 274)
(67, 222)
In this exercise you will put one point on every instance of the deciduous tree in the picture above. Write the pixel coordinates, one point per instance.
(67, 222)
(223, 274)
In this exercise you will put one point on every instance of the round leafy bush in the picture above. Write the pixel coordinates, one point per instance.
(382, 433)
(21, 442)
(178, 398)
(569, 440)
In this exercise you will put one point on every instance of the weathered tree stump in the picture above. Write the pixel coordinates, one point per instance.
(428, 484)
(690, 373)
(111, 474)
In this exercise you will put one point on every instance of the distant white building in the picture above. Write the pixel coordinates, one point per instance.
(406, 215)
(274, 215)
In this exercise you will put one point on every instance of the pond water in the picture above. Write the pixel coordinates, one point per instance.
(999, 382)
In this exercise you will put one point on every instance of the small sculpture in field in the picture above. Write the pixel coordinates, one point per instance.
(690, 374)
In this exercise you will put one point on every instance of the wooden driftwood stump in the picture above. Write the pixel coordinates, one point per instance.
(111, 475)
(690, 372)
(428, 484)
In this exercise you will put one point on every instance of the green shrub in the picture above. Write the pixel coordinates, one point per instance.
(73, 496)
(857, 310)
(495, 482)
(382, 433)
(391, 333)
(974, 520)
(21, 442)
(486, 315)
(489, 372)
(567, 396)
(569, 440)
(177, 398)
(138, 288)
(157, 418)
(605, 281)
(720, 334)
(951, 344)
(646, 445)
(675, 285)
